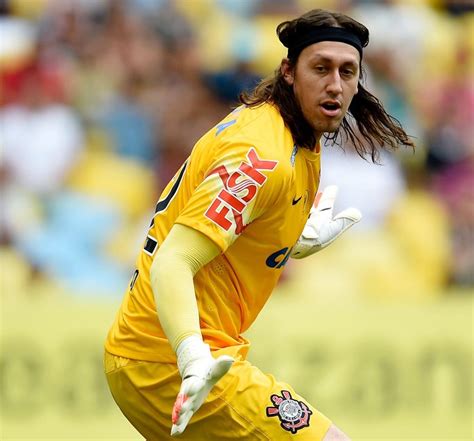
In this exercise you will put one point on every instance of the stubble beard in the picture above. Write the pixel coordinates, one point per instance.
(329, 127)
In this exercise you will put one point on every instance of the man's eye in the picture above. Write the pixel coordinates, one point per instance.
(320, 69)
(348, 72)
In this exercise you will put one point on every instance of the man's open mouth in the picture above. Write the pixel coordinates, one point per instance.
(331, 105)
(331, 108)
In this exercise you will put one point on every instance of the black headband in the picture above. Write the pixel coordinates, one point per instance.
(323, 33)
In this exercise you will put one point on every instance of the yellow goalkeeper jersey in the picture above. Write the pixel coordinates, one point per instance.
(247, 187)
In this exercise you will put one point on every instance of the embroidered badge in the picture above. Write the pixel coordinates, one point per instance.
(294, 415)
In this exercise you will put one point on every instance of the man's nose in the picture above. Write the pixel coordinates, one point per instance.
(334, 85)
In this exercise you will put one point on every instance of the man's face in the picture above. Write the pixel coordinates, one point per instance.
(324, 81)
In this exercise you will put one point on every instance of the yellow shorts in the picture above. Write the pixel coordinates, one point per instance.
(245, 405)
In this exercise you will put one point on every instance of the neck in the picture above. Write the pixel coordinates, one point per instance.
(317, 139)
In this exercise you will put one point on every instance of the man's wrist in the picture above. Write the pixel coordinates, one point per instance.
(192, 348)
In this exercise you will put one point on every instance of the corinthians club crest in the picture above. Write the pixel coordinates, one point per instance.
(294, 415)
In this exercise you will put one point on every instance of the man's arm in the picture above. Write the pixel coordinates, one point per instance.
(183, 253)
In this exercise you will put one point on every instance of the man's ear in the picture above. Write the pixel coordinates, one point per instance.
(288, 71)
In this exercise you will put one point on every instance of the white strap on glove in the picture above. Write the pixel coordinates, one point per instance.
(322, 228)
(200, 371)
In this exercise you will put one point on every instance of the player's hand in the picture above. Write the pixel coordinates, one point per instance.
(200, 371)
(322, 228)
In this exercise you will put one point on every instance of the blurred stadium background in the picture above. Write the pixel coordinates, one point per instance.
(101, 100)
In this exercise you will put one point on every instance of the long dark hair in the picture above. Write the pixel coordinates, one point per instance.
(374, 127)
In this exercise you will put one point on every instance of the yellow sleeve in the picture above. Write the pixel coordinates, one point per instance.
(182, 254)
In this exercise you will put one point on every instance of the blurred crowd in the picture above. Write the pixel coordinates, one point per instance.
(102, 100)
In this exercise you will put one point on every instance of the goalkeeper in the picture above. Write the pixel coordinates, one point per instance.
(239, 207)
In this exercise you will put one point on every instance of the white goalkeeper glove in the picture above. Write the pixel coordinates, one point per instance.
(200, 371)
(322, 228)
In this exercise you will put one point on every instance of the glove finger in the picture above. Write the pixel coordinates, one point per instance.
(176, 430)
(316, 200)
(325, 204)
(343, 221)
(177, 407)
(220, 368)
(349, 213)
(186, 397)
(335, 228)
(183, 410)
(180, 426)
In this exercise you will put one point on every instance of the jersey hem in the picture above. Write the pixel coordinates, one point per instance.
(236, 351)
(142, 356)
